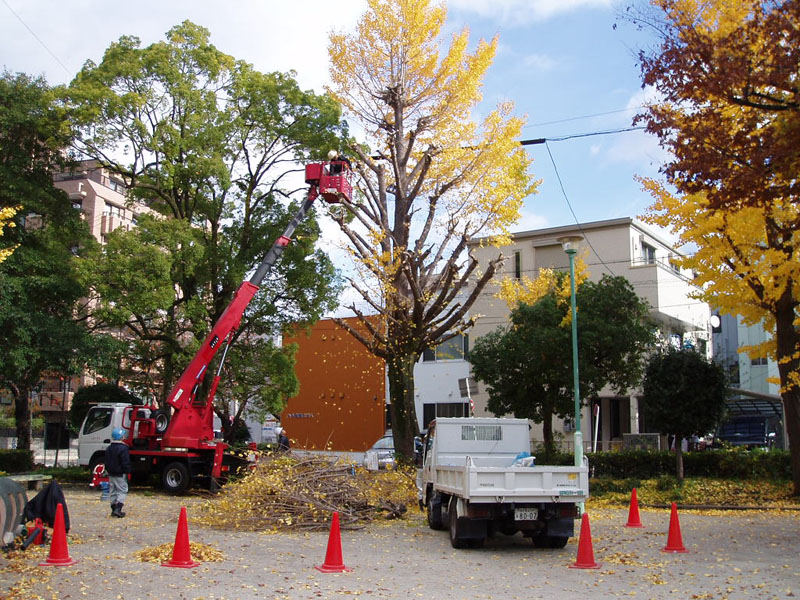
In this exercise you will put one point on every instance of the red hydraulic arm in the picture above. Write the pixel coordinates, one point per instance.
(192, 423)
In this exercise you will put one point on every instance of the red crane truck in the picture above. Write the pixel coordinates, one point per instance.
(181, 446)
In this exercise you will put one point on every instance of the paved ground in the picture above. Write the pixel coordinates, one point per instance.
(732, 555)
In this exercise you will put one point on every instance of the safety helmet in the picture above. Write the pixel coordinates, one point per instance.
(117, 434)
(278, 430)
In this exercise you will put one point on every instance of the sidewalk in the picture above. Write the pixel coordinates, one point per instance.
(67, 457)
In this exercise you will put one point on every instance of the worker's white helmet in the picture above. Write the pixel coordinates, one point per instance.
(332, 155)
(278, 430)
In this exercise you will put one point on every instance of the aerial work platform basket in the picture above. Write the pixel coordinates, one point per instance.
(332, 180)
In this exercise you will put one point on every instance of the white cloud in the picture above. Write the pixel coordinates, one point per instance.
(529, 220)
(539, 62)
(273, 36)
(522, 12)
(636, 148)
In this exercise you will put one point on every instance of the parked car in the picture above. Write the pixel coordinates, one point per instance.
(381, 455)
(750, 431)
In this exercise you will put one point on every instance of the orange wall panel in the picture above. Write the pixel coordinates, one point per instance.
(341, 404)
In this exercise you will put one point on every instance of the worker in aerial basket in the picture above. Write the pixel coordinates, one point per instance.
(118, 465)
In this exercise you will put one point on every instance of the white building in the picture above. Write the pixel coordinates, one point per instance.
(618, 247)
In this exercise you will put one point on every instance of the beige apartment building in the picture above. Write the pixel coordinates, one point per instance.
(620, 247)
(100, 196)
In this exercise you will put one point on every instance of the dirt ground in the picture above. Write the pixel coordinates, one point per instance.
(734, 555)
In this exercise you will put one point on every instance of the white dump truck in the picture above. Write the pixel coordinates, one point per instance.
(478, 478)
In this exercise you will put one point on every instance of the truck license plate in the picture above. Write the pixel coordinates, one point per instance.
(526, 514)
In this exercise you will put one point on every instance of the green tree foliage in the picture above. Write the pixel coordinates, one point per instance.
(528, 365)
(209, 144)
(683, 395)
(85, 397)
(41, 321)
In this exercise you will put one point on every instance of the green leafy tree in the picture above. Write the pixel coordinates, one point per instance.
(85, 397)
(683, 395)
(209, 144)
(42, 323)
(527, 365)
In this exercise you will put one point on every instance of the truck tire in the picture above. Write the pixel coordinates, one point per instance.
(175, 477)
(161, 417)
(97, 459)
(456, 539)
(434, 512)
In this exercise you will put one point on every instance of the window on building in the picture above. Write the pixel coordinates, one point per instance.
(117, 186)
(517, 264)
(648, 254)
(431, 410)
(456, 348)
(113, 210)
(758, 362)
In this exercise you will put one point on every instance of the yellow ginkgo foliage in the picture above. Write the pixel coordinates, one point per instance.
(431, 177)
(6, 214)
(728, 112)
(529, 291)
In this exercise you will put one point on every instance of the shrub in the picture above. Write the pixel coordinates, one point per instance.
(16, 461)
(725, 464)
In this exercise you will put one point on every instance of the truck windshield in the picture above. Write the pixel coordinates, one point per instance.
(97, 419)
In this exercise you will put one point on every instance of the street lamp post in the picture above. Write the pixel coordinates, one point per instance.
(570, 245)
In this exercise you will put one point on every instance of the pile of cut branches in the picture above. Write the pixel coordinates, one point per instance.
(291, 492)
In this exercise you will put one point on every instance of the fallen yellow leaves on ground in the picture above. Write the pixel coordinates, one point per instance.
(163, 553)
(291, 492)
(703, 492)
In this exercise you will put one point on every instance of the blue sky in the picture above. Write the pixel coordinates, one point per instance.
(559, 61)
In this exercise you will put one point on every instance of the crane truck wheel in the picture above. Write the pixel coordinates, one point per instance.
(175, 477)
(434, 512)
(162, 420)
(98, 458)
(456, 538)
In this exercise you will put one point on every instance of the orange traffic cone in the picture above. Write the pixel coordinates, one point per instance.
(585, 553)
(59, 553)
(674, 539)
(333, 557)
(181, 555)
(633, 512)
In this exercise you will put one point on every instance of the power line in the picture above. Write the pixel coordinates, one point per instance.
(38, 39)
(574, 216)
(568, 119)
(573, 136)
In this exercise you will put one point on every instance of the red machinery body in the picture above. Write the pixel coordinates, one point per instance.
(190, 432)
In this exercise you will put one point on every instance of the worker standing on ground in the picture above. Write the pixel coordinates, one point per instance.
(283, 440)
(118, 465)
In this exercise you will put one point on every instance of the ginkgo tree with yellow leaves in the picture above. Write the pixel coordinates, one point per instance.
(6, 216)
(727, 73)
(431, 177)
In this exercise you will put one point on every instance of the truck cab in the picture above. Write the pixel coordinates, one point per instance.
(95, 433)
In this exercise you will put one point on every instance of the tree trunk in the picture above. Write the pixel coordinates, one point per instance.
(679, 458)
(547, 434)
(787, 340)
(22, 414)
(404, 415)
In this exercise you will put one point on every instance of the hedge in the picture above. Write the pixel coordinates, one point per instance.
(16, 461)
(722, 464)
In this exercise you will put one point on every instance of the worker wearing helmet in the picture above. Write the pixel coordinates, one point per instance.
(118, 465)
